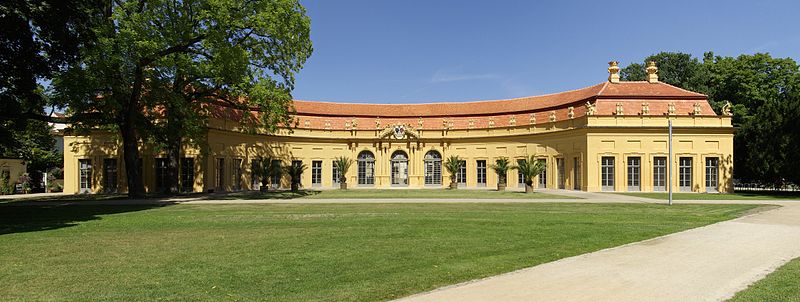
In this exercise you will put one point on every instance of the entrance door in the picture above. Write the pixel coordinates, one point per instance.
(399, 168)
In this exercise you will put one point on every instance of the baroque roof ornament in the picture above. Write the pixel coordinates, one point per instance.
(590, 109)
(726, 109)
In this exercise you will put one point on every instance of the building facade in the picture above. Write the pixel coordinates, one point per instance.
(608, 137)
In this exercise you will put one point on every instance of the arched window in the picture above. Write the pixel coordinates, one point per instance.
(399, 168)
(366, 168)
(433, 168)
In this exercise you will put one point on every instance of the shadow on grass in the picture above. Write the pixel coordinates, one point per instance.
(251, 195)
(34, 218)
(773, 194)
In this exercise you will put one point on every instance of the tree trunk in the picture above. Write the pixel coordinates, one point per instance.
(130, 153)
(173, 164)
(130, 140)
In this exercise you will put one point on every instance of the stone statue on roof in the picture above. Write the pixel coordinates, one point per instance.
(726, 109)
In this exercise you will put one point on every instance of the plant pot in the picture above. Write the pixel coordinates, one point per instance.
(501, 187)
(343, 185)
(264, 188)
(528, 188)
(295, 187)
(453, 186)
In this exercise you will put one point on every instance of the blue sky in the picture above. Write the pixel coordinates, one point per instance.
(439, 51)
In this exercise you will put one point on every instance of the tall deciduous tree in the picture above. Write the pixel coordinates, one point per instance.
(161, 68)
(39, 38)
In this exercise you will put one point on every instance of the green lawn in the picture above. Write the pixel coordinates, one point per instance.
(389, 193)
(305, 252)
(730, 196)
(781, 285)
(312, 194)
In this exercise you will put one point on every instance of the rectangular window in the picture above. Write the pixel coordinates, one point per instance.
(685, 174)
(85, 175)
(543, 175)
(237, 173)
(481, 175)
(187, 174)
(275, 178)
(220, 177)
(255, 181)
(110, 175)
(161, 174)
(634, 174)
(461, 176)
(576, 181)
(660, 174)
(316, 173)
(520, 177)
(607, 173)
(562, 175)
(335, 174)
(712, 174)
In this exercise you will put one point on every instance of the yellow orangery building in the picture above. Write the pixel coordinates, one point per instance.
(608, 137)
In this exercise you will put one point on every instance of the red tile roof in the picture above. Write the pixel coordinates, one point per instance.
(496, 113)
(641, 90)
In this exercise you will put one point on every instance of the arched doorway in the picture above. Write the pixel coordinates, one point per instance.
(366, 168)
(399, 168)
(433, 168)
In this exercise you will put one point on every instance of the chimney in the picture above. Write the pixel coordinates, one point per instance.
(613, 72)
(652, 72)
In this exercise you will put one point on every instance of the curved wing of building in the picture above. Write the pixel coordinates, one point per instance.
(607, 137)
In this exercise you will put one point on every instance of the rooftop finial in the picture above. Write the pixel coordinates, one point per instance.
(652, 72)
(613, 72)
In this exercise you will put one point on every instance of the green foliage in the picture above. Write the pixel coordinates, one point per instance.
(765, 94)
(6, 187)
(343, 164)
(265, 169)
(160, 70)
(530, 168)
(452, 164)
(501, 167)
(39, 39)
(295, 171)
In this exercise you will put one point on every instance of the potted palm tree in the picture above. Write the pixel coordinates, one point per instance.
(342, 164)
(529, 169)
(501, 167)
(295, 172)
(265, 169)
(452, 165)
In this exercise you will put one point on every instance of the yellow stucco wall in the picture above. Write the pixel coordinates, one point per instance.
(585, 139)
(15, 168)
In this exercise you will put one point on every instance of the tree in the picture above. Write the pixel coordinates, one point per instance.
(529, 169)
(453, 164)
(343, 164)
(39, 39)
(295, 171)
(162, 68)
(674, 68)
(264, 170)
(501, 167)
